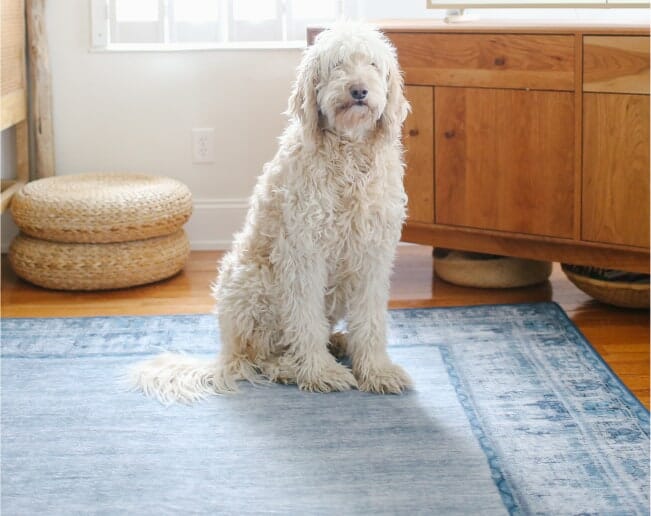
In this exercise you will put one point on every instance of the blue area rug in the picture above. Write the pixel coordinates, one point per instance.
(512, 412)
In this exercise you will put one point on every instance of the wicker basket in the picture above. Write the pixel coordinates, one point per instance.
(69, 266)
(482, 271)
(617, 293)
(101, 207)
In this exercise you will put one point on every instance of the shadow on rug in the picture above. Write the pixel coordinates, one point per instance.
(512, 412)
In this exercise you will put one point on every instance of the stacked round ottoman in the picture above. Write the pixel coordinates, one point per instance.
(100, 231)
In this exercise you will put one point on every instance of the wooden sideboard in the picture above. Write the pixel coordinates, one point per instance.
(528, 140)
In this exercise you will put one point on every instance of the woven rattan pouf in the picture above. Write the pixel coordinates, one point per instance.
(100, 231)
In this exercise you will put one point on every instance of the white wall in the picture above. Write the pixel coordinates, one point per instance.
(135, 112)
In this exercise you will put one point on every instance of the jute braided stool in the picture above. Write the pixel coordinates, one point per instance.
(100, 230)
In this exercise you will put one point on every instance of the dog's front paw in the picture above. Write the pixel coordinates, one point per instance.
(382, 379)
(333, 377)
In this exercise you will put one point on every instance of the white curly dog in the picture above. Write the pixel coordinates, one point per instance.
(319, 240)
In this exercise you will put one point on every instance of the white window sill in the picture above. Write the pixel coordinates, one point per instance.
(191, 47)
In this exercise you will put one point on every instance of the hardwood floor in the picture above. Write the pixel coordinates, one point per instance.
(620, 336)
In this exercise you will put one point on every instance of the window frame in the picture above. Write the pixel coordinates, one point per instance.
(103, 24)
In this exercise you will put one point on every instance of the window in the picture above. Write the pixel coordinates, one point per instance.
(136, 22)
(210, 23)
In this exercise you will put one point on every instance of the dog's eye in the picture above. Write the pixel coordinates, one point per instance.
(374, 64)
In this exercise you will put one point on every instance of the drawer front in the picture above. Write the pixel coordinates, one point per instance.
(616, 64)
(487, 60)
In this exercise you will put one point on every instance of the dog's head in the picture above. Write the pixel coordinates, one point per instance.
(349, 83)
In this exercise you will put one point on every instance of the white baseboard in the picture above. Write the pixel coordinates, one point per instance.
(214, 221)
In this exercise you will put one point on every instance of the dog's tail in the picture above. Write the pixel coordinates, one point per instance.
(172, 377)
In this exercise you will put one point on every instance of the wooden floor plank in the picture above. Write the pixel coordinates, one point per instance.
(620, 336)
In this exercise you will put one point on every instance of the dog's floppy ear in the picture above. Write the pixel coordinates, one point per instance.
(397, 107)
(303, 105)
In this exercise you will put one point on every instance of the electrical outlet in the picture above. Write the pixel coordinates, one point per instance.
(203, 145)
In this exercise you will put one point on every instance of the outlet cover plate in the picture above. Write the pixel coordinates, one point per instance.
(203, 145)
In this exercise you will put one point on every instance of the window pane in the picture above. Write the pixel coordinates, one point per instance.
(196, 11)
(136, 10)
(195, 33)
(302, 13)
(314, 9)
(254, 10)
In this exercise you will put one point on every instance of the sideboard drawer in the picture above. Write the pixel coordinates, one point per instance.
(616, 64)
(487, 60)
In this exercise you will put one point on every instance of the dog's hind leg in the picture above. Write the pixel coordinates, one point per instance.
(278, 369)
(237, 357)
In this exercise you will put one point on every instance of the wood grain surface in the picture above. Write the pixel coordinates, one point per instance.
(505, 160)
(616, 64)
(528, 246)
(418, 138)
(487, 60)
(616, 169)
(12, 43)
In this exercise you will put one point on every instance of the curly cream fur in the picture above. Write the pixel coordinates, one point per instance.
(319, 240)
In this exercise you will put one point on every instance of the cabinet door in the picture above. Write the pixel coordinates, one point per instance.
(616, 169)
(505, 160)
(418, 138)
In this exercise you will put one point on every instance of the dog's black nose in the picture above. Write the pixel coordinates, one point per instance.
(358, 92)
